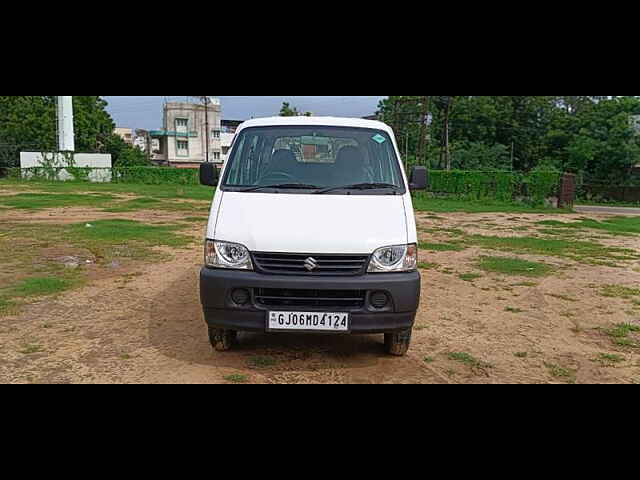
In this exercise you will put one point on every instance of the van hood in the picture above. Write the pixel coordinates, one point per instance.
(282, 223)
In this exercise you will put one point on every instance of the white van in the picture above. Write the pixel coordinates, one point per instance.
(312, 230)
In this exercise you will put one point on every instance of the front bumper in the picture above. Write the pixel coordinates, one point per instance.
(220, 310)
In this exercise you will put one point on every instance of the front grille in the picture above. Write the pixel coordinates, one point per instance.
(288, 263)
(280, 297)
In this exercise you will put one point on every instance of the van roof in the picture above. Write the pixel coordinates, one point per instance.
(316, 121)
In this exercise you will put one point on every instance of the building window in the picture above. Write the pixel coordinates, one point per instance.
(182, 147)
(216, 156)
(216, 133)
(182, 125)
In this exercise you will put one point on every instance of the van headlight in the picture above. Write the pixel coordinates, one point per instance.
(227, 255)
(399, 258)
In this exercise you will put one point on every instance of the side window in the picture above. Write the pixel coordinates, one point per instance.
(248, 160)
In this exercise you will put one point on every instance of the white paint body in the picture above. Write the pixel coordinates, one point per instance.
(329, 224)
(66, 137)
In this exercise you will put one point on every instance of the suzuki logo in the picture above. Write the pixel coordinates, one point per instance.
(310, 264)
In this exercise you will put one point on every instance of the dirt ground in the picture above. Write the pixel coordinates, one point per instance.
(144, 324)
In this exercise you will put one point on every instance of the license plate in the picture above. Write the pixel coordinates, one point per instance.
(308, 321)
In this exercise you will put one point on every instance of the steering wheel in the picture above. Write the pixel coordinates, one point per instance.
(277, 177)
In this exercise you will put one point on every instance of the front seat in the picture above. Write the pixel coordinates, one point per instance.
(282, 161)
(350, 167)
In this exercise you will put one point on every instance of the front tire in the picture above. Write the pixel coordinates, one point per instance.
(398, 343)
(222, 340)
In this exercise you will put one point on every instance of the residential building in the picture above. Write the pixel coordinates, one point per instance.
(228, 133)
(125, 133)
(141, 139)
(182, 141)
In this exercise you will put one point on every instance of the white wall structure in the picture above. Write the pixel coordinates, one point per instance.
(59, 161)
(66, 138)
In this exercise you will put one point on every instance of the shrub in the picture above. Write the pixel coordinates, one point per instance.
(534, 187)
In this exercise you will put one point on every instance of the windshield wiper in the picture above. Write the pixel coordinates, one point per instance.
(359, 186)
(301, 186)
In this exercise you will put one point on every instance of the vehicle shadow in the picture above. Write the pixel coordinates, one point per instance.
(177, 330)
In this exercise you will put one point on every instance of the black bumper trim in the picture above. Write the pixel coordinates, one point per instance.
(221, 312)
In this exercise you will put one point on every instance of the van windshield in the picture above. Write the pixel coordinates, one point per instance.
(323, 159)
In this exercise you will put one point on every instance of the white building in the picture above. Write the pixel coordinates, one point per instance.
(140, 142)
(228, 133)
(182, 141)
(125, 133)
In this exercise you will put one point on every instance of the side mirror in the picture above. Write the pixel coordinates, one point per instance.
(418, 180)
(209, 174)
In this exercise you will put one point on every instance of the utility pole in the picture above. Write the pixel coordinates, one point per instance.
(206, 123)
(205, 99)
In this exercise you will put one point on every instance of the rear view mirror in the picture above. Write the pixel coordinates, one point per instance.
(418, 180)
(209, 174)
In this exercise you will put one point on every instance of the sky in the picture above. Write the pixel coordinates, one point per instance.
(146, 112)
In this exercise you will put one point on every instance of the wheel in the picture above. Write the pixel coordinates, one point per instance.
(398, 343)
(222, 340)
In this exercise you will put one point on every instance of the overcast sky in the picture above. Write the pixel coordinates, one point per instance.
(146, 112)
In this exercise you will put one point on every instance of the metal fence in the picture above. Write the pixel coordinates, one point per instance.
(610, 193)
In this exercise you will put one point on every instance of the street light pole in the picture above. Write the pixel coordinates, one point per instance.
(206, 122)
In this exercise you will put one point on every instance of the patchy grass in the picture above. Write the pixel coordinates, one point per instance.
(31, 271)
(40, 201)
(260, 361)
(142, 203)
(425, 203)
(450, 231)
(469, 360)
(560, 296)
(125, 238)
(525, 284)
(12, 295)
(557, 371)
(442, 247)
(428, 266)
(621, 335)
(236, 378)
(429, 359)
(30, 348)
(614, 225)
(521, 354)
(622, 330)
(513, 310)
(609, 359)
(469, 277)
(581, 251)
(147, 203)
(514, 266)
(6, 306)
(192, 192)
(619, 291)
(39, 286)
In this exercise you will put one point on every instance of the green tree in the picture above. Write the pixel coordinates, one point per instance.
(28, 123)
(288, 111)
